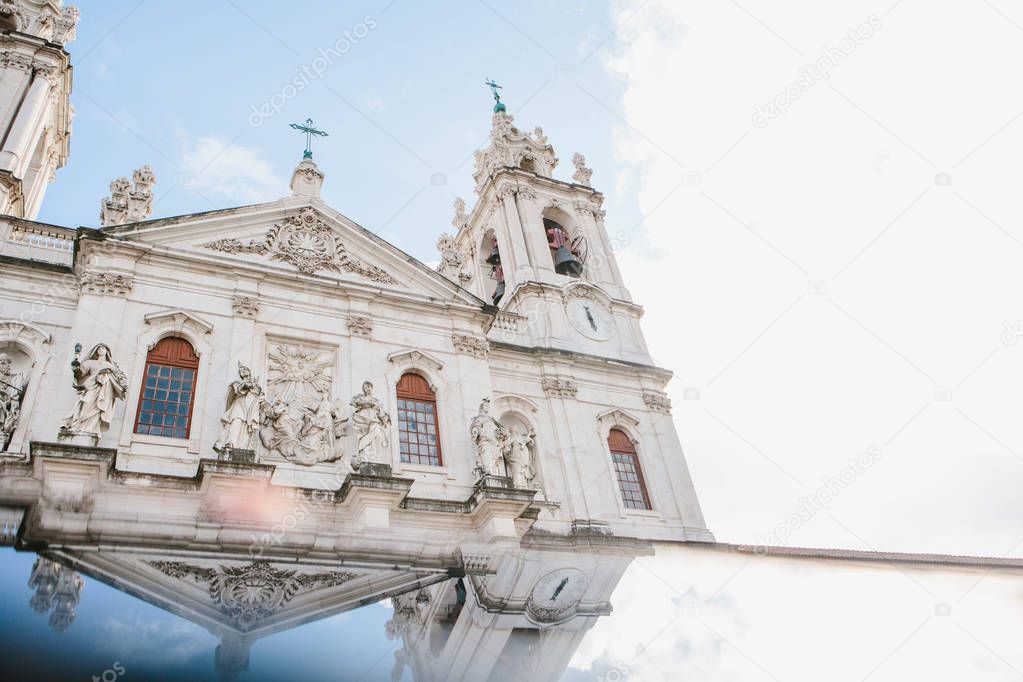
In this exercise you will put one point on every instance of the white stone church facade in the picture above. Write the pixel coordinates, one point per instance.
(191, 379)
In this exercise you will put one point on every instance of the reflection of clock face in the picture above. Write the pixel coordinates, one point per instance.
(555, 596)
(590, 319)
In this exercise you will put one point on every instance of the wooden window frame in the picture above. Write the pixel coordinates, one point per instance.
(414, 387)
(175, 355)
(620, 445)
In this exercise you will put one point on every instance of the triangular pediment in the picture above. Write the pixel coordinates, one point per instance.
(251, 597)
(297, 235)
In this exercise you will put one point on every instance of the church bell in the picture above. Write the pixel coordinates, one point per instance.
(565, 263)
(495, 256)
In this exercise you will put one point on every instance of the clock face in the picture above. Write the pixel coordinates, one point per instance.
(555, 596)
(590, 319)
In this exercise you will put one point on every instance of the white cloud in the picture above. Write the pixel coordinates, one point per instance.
(918, 276)
(228, 171)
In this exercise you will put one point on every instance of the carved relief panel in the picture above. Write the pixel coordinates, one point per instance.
(303, 422)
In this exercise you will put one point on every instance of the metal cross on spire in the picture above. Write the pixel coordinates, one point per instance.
(309, 131)
(494, 87)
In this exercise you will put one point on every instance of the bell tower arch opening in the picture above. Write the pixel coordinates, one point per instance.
(565, 242)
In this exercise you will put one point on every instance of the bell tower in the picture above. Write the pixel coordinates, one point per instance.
(35, 107)
(537, 247)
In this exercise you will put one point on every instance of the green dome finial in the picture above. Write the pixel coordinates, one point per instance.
(494, 87)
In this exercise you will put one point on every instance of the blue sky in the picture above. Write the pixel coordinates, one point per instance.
(405, 102)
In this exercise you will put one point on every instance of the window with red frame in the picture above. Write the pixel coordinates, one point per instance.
(630, 476)
(418, 433)
(168, 390)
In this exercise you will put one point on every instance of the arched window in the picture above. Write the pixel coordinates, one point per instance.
(418, 435)
(630, 476)
(168, 390)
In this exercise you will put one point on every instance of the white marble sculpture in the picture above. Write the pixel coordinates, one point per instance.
(489, 436)
(100, 383)
(373, 427)
(302, 424)
(242, 414)
(12, 388)
(518, 457)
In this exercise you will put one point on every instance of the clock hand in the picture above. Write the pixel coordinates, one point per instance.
(559, 588)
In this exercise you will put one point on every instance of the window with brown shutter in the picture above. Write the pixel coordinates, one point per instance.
(168, 390)
(418, 431)
(630, 475)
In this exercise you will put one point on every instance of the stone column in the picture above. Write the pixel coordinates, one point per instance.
(27, 127)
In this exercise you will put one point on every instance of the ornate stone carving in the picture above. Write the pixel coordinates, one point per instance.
(510, 147)
(302, 424)
(105, 283)
(582, 173)
(559, 388)
(306, 242)
(410, 613)
(100, 383)
(451, 259)
(373, 428)
(57, 590)
(45, 20)
(12, 390)
(245, 306)
(519, 458)
(360, 325)
(251, 593)
(526, 193)
(242, 413)
(489, 436)
(129, 202)
(461, 217)
(14, 60)
(657, 401)
(307, 180)
(476, 346)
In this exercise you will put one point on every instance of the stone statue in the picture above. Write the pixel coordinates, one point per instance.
(12, 389)
(582, 174)
(57, 588)
(461, 217)
(241, 418)
(308, 437)
(488, 436)
(100, 383)
(372, 425)
(518, 457)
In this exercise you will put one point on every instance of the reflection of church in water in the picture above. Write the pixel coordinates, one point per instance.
(267, 415)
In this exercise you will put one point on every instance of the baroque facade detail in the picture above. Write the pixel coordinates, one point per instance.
(360, 325)
(105, 283)
(559, 388)
(512, 147)
(308, 243)
(100, 383)
(245, 306)
(582, 173)
(251, 593)
(12, 390)
(476, 346)
(129, 202)
(302, 423)
(658, 401)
